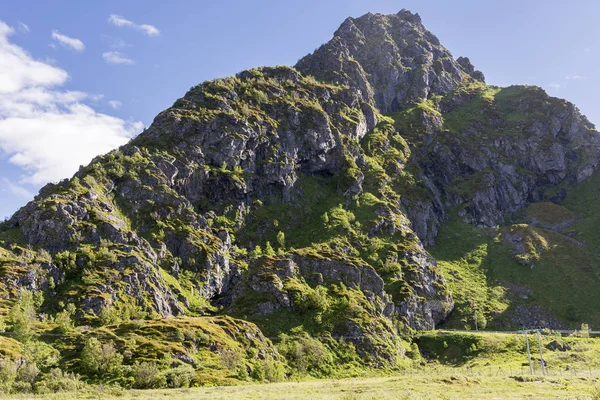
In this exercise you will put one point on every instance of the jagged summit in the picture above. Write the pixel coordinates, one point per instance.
(393, 59)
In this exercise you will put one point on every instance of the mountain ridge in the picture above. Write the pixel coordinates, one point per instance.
(305, 200)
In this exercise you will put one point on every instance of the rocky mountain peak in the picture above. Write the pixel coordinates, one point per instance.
(393, 59)
(287, 194)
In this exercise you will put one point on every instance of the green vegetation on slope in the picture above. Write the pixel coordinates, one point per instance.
(501, 272)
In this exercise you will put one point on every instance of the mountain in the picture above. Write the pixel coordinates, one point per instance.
(378, 187)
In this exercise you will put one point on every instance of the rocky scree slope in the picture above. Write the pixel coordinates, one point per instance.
(300, 198)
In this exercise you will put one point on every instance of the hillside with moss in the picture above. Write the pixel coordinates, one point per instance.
(307, 220)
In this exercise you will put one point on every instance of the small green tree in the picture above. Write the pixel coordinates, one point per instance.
(269, 251)
(584, 332)
(109, 315)
(100, 358)
(64, 318)
(281, 239)
(21, 316)
(257, 252)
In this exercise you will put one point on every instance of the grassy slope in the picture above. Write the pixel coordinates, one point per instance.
(562, 275)
(463, 366)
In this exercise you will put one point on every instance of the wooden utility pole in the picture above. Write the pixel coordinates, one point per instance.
(476, 328)
(529, 354)
(541, 357)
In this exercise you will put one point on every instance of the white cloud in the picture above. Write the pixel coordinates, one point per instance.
(67, 41)
(555, 85)
(23, 27)
(115, 104)
(96, 97)
(19, 70)
(120, 21)
(115, 57)
(574, 77)
(45, 131)
(15, 189)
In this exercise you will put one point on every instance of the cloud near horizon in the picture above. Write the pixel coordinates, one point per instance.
(120, 21)
(45, 131)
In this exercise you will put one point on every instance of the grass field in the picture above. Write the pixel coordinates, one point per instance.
(459, 365)
(423, 385)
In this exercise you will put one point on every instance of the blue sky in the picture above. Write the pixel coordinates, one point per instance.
(78, 78)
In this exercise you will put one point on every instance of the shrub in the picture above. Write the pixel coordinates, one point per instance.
(257, 252)
(42, 354)
(313, 299)
(8, 375)
(269, 370)
(100, 358)
(109, 315)
(64, 319)
(231, 358)
(59, 381)
(584, 332)
(147, 375)
(281, 239)
(269, 251)
(306, 355)
(22, 387)
(22, 314)
(28, 372)
(180, 377)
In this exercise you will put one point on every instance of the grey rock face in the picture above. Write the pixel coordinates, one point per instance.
(494, 165)
(392, 59)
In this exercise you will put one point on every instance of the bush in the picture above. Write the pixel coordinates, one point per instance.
(22, 314)
(28, 372)
(100, 358)
(306, 355)
(41, 354)
(59, 381)
(8, 375)
(147, 375)
(22, 387)
(312, 299)
(231, 358)
(281, 239)
(180, 377)
(269, 370)
(269, 251)
(109, 315)
(64, 320)
(257, 252)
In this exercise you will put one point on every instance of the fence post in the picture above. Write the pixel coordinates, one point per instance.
(541, 357)
(529, 354)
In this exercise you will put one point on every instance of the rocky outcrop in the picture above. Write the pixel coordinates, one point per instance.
(514, 146)
(392, 59)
